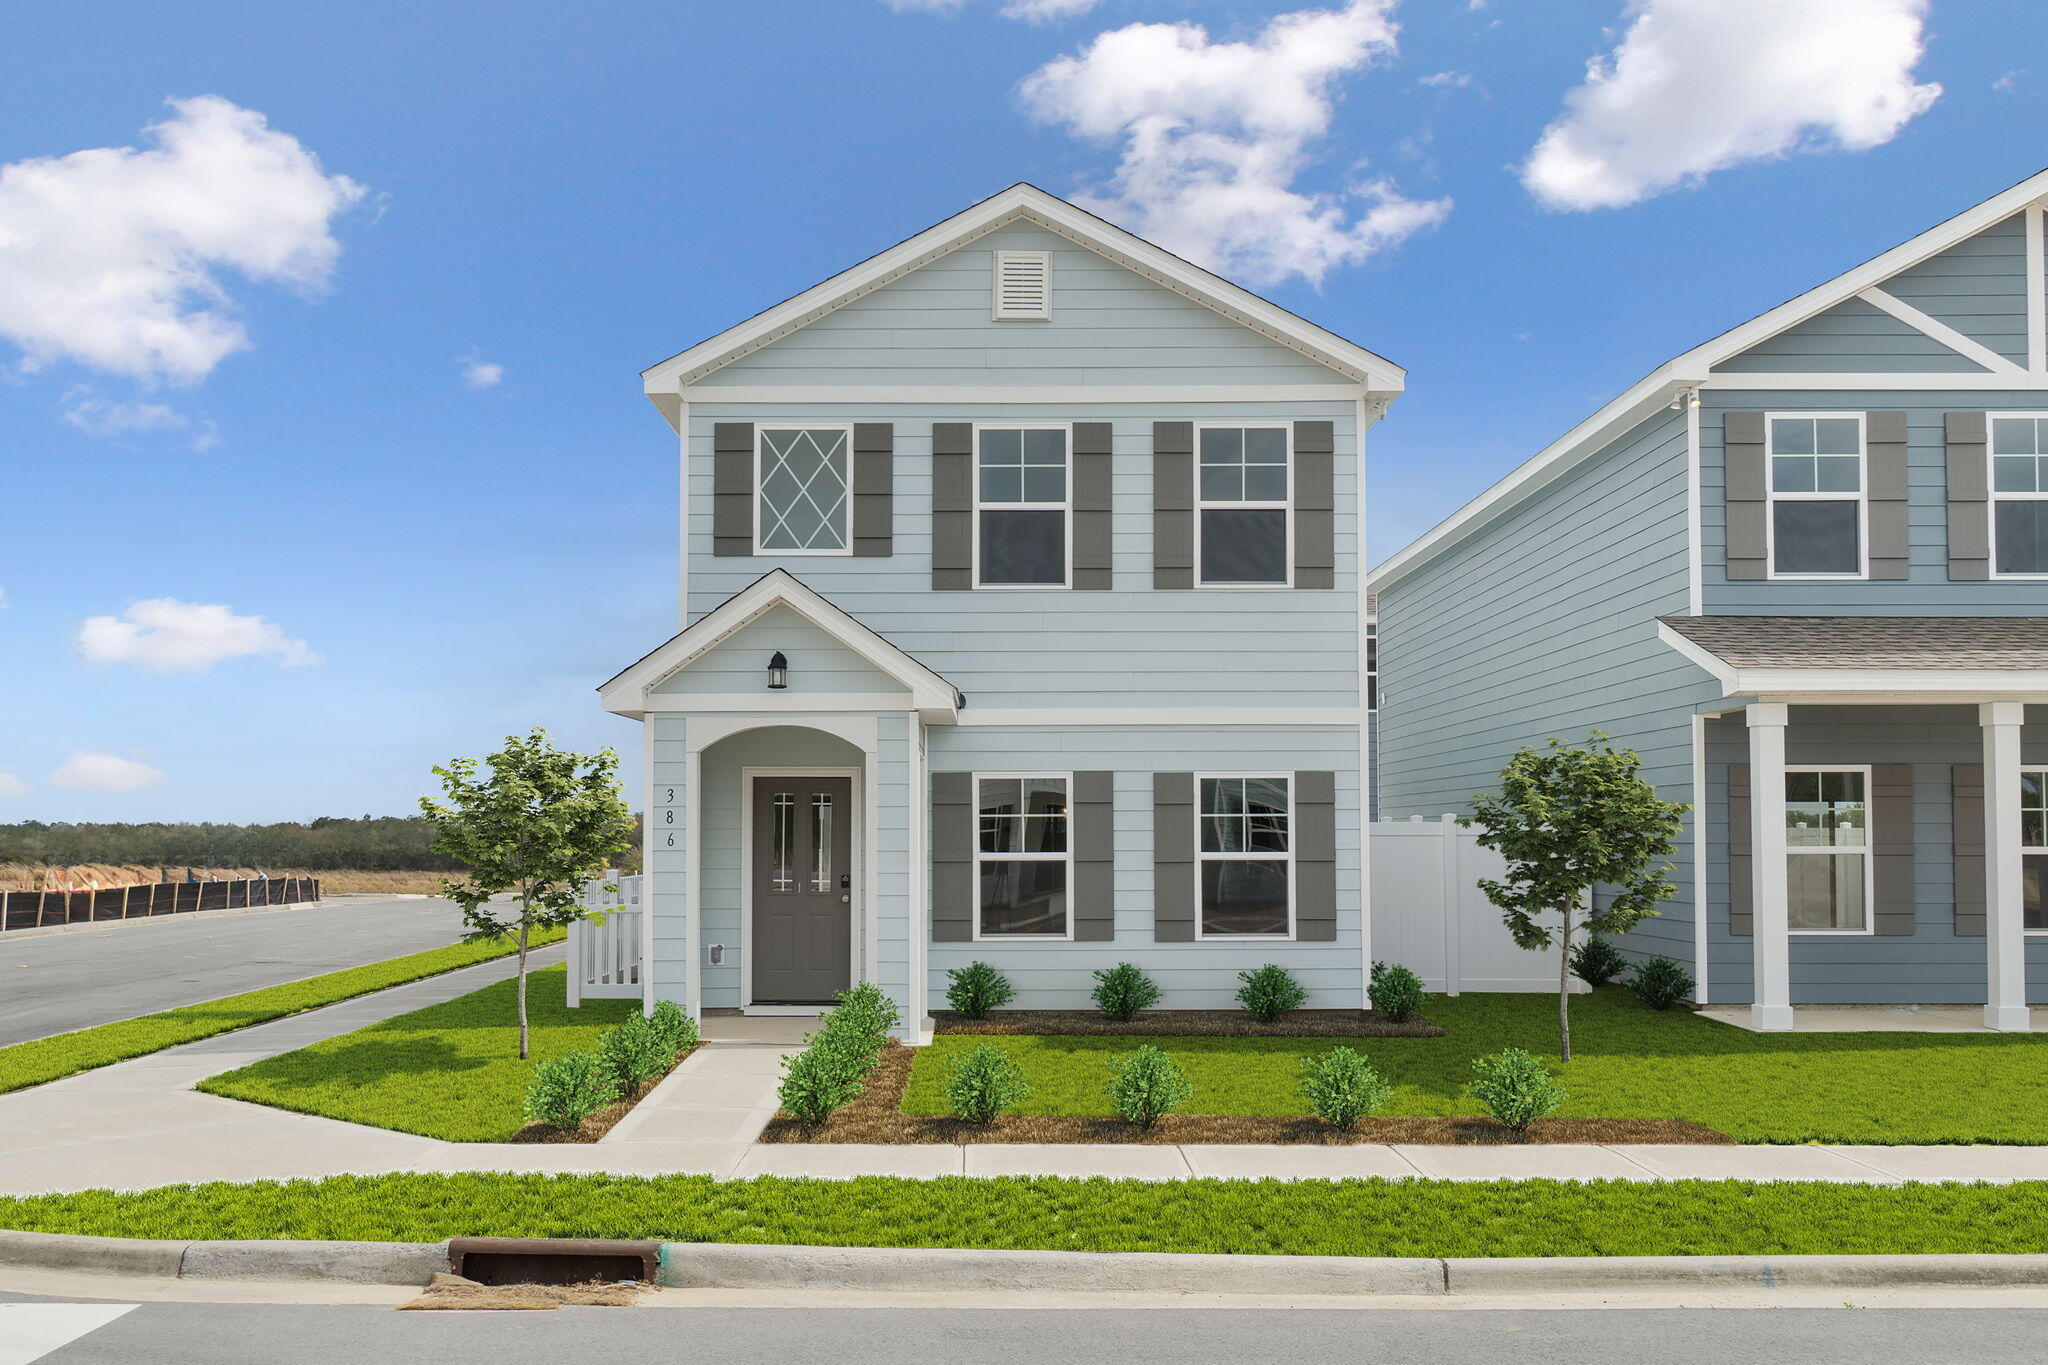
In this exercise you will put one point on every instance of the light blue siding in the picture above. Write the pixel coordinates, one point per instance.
(668, 865)
(817, 663)
(1853, 337)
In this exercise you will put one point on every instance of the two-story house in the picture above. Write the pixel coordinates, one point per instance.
(1803, 569)
(1022, 622)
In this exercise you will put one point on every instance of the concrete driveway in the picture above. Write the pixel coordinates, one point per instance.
(73, 981)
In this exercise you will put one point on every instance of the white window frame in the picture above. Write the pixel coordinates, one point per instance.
(1285, 504)
(981, 856)
(1201, 935)
(1372, 668)
(1067, 507)
(2025, 847)
(760, 470)
(1868, 852)
(1772, 497)
(1991, 488)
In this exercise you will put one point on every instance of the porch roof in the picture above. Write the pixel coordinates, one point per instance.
(2003, 655)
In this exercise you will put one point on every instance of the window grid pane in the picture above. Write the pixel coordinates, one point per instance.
(1021, 868)
(803, 494)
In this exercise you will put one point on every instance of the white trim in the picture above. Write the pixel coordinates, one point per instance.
(1193, 716)
(1993, 497)
(975, 780)
(1936, 329)
(1844, 381)
(1770, 937)
(857, 913)
(1868, 851)
(2027, 848)
(1695, 537)
(1065, 507)
(693, 873)
(917, 878)
(1858, 684)
(759, 494)
(703, 703)
(1249, 856)
(2037, 285)
(683, 517)
(1367, 779)
(1701, 954)
(1772, 496)
(1025, 203)
(957, 395)
(1284, 504)
(647, 785)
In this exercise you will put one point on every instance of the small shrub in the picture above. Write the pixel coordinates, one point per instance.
(634, 1054)
(1122, 991)
(984, 1083)
(1515, 1088)
(976, 989)
(676, 1030)
(1341, 1087)
(1145, 1086)
(568, 1089)
(1397, 992)
(1269, 992)
(815, 1082)
(1596, 961)
(1661, 983)
(864, 1015)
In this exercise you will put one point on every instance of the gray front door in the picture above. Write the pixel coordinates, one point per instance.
(803, 898)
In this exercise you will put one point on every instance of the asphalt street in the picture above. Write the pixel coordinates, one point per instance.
(72, 981)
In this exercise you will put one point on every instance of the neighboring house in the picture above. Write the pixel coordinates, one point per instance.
(1803, 569)
(1022, 623)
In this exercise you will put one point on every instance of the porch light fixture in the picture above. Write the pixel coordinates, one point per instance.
(778, 672)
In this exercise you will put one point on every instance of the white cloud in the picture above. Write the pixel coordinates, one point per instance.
(928, 6)
(4, 603)
(2007, 83)
(10, 785)
(1215, 134)
(110, 417)
(1044, 11)
(479, 373)
(110, 257)
(104, 773)
(1446, 78)
(1696, 86)
(165, 635)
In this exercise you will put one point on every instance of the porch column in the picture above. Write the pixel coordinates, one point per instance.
(2005, 941)
(1771, 1007)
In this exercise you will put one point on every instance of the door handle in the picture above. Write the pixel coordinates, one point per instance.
(844, 900)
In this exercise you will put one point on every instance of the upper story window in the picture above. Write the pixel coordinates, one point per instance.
(801, 490)
(1818, 522)
(2019, 497)
(1022, 860)
(1245, 857)
(1023, 511)
(1242, 518)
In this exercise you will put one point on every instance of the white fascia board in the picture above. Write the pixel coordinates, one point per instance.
(629, 692)
(1973, 683)
(1831, 381)
(957, 395)
(1722, 672)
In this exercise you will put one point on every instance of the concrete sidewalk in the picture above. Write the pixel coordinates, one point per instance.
(140, 1124)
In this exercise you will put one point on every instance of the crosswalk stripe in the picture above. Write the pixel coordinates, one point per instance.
(30, 1331)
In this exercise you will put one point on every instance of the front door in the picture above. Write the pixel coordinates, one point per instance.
(803, 889)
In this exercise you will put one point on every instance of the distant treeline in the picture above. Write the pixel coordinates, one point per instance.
(371, 843)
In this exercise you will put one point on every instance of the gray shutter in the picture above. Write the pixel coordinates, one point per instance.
(1884, 435)
(732, 488)
(1742, 470)
(1891, 849)
(1315, 505)
(1173, 504)
(1969, 498)
(1093, 831)
(1315, 857)
(1966, 785)
(1741, 919)
(1173, 857)
(874, 488)
(952, 506)
(1091, 505)
(953, 890)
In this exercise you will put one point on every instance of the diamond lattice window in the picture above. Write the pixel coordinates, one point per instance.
(803, 489)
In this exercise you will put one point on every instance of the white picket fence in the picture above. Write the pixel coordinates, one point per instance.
(604, 959)
(1429, 915)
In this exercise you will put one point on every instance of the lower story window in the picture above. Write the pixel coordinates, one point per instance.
(1021, 860)
(2034, 845)
(1827, 849)
(1245, 863)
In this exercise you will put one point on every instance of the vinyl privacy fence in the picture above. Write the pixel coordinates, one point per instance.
(604, 958)
(1429, 915)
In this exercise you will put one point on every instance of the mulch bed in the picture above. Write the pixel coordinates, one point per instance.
(1189, 1024)
(877, 1116)
(600, 1123)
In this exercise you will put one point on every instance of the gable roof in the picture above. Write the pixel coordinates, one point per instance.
(627, 692)
(1693, 369)
(1022, 203)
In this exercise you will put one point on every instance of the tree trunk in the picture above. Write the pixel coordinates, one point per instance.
(1563, 989)
(525, 909)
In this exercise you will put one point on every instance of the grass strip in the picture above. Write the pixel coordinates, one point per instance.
(1628, 1062)
(449, 1071)
(1269, 1217)
(67, 1054)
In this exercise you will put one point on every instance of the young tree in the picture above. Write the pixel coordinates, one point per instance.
(1570, 818)
(542, 822)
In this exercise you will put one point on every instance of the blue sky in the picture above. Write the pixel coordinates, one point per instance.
(572, 193)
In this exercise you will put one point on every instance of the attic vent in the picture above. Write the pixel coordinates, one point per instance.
(1023, 286)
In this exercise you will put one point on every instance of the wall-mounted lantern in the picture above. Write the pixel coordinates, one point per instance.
(778, 672)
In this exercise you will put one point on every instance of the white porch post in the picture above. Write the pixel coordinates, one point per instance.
(2005, 941)
(1771, 1007)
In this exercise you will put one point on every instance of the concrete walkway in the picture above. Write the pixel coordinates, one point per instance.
(140, 1124)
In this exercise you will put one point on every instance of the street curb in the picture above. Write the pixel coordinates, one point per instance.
(323, 1262)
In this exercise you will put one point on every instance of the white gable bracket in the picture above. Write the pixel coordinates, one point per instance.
(1940, 331)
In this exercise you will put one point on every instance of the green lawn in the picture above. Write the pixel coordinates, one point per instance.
(1629, 1062)
(67, 1054)
(1347, 1218)
(448, 1071)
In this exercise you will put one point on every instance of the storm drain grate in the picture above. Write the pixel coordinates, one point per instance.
(551, 1260)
